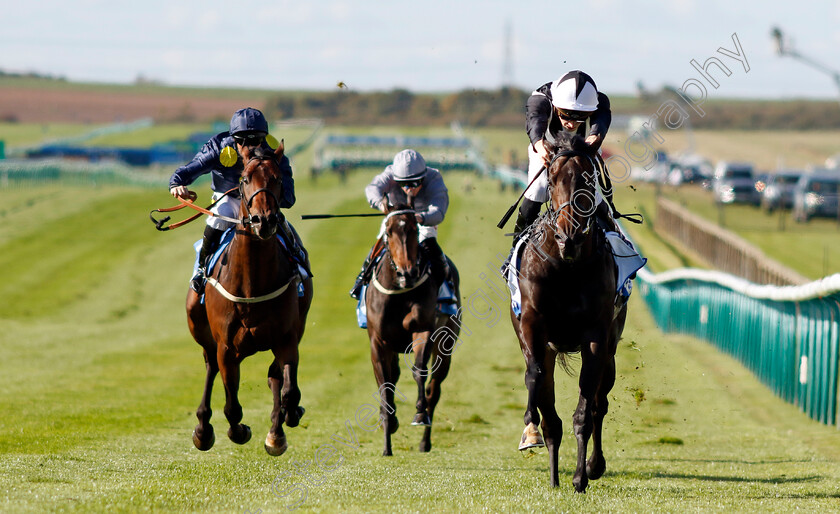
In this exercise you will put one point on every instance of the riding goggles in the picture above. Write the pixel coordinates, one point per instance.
(410, 183)
(569, 115)
(250, 139)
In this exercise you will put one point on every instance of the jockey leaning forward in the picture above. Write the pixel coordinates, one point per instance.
(408, 176)
(220, 157)
(564, 105)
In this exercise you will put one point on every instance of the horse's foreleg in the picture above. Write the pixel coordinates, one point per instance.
(229, 366)
(591, 371)
(533, 346)
(203, 435)
(552, 425)
(597, 464)
(422, 350)
(439, 371)
(386, 369)
(275, 441)
(291, 392)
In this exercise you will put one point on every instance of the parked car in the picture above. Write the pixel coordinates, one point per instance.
(816, 194)
(733, 182)
(690, 169)
(778, 190)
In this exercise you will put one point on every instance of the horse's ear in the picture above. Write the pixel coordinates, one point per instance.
(246, 152)
(281, 147)
(410, 199)
(388, 205)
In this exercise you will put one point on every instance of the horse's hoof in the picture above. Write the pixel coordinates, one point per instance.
(240, 434)
(421, 419)
(205, 440)
(293, 421)
(531, 438)
(276, 446)
(595, 470)
(425, 446)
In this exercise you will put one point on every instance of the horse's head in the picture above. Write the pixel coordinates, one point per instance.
(260, 188)
(571, 179)
(401, 237)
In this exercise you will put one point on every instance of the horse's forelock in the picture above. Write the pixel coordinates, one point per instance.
(570, 142)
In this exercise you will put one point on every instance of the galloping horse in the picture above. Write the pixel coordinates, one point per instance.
(402, 317)
(568, 288)
(251, 305)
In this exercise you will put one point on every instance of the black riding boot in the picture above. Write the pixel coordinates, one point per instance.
(604, 217)
(364, 275)
(528, 212)
(440, 266)
(294, 244)
(208, 246)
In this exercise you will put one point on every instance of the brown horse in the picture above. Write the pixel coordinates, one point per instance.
(251, 305)
(402, 317)
(568, 288)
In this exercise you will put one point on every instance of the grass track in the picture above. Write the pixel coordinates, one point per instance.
(101, 382)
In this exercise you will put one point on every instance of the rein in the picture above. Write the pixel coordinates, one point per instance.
(189, 203)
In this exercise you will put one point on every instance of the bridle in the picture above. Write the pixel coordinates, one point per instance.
(553, 213)
(249, 218)
(424, 275)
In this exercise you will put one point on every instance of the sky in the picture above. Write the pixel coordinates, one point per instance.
(428, 46)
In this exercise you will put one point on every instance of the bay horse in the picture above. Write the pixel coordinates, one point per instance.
(568, 287)
(402, 317)
(251, 304)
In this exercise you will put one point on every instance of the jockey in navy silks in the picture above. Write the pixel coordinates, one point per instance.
(220, 157)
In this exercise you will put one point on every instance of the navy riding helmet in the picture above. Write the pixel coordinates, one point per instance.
(248, 120)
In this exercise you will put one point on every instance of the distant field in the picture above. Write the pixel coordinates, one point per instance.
(101, 382)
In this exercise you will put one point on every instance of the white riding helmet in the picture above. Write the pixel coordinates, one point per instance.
(575, 91)
(408, 166)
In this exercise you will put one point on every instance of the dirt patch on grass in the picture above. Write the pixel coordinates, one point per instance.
(33, 105)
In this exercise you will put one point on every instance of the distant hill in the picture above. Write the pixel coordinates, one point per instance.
(44, 99)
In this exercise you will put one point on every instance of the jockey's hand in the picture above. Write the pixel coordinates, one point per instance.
(418, 217)
(593, 140)
(180, 192)
(542, 151)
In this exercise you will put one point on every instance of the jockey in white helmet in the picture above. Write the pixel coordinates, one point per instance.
(566, 104)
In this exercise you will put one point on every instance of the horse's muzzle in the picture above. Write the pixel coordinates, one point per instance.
(264, 226)
(407, 278)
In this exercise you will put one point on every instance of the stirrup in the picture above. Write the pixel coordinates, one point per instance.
(198, 281)
(356, 290)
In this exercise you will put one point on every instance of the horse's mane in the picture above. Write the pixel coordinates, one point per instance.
(568, 141)
(402, 206)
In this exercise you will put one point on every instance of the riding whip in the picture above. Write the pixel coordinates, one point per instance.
(509, 212)
(325, 216)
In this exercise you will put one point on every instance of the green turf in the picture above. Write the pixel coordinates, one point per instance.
(101, 381)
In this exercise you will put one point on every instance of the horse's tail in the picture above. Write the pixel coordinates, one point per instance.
(563, 360)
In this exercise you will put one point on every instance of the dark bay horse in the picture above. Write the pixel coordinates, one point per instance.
(402, 317)
(252, 305)
(568, 288)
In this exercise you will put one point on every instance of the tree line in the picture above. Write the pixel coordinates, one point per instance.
(505, 107)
